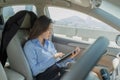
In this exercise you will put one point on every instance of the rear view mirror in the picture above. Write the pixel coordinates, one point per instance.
(118, 40)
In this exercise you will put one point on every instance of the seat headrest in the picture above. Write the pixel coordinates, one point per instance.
(26, 22)
(22, 19)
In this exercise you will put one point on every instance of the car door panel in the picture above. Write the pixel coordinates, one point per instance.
(66, 45)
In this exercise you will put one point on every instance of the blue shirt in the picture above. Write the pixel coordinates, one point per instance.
(39, 57)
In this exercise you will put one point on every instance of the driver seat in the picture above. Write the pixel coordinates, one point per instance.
(14, 49)
(2, 73)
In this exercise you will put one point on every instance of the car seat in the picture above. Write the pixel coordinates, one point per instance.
(14, 49)
(2, 73)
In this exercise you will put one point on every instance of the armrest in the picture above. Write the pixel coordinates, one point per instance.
(12, 75)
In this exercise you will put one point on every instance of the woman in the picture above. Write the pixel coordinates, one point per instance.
(40, 52)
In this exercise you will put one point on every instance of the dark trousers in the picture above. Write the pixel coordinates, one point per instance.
(52, 73)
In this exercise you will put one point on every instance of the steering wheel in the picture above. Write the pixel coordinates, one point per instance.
(85, 63)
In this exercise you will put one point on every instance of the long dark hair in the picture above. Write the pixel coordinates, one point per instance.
(40, 26)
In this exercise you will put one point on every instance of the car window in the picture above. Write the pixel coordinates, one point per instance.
(78, 26)
(11, 10)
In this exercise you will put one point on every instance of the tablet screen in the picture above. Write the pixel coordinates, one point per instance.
(66, 56)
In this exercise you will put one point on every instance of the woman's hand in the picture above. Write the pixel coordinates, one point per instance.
(76, 52)
(59, 55)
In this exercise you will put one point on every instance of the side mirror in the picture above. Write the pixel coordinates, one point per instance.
(118, 40)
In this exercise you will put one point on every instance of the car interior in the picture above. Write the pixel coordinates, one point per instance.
(92, 25)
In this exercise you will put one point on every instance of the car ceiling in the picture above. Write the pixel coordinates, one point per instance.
(116, 2)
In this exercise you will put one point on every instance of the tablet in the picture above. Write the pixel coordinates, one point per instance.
(66, 56)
